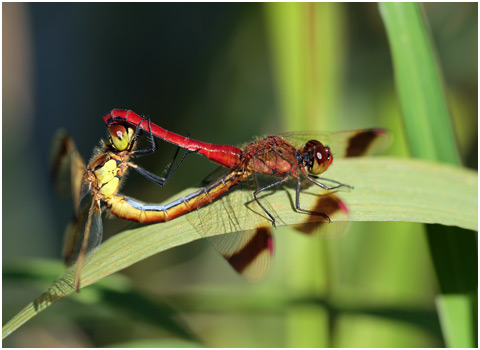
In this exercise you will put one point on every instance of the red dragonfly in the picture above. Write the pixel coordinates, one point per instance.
(293, 155)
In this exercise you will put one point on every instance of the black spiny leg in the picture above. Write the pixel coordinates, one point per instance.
(153, 144)
(161, 181)
(265, 188)
(297, 204)
(325, 187)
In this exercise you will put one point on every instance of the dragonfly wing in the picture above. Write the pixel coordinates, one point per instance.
(90, 239)
(68, 169)
(73, 234)
(248, 252)
(330, 205)
(353, 143)
(214, 175)
(248, 246)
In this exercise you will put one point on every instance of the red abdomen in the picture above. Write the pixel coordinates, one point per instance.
(228, 156)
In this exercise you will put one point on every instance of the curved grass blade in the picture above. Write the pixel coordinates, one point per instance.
(430, 134)
(386, 189)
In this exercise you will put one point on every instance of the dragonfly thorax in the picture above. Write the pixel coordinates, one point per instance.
(105, 172)
(271, 155)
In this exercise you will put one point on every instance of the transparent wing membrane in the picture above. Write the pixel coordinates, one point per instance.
(248, 252)
(84, 234)
(353, 143)
(74, 234)
(248, 248)
(68, 168)
(89, 240)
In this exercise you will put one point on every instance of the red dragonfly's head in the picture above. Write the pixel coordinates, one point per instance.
(318, 157)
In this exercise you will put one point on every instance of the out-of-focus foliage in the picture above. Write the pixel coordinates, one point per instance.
(221, 73)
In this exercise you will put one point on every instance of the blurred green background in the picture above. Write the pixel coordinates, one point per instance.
(224, 73)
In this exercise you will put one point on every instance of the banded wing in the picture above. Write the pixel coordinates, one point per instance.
(249, 245)
(354, 143)
(249, 252)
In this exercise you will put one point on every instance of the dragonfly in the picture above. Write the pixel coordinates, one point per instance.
(100, 180)
(298, 156)
(345, 143)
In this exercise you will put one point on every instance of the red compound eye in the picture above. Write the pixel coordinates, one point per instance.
(319, 157)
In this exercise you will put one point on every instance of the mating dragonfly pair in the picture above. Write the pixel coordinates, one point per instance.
(299, 156)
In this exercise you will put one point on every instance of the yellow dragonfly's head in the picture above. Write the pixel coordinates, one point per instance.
(121, 137)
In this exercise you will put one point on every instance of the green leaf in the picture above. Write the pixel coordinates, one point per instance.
(386, 189)
(430, 135)
(158, 343)
(307, 42)
(419, 84)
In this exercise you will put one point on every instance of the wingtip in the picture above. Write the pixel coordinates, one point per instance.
(380, 131)
(343, 207)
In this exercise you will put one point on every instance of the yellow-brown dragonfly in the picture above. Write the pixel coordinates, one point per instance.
(100, 180)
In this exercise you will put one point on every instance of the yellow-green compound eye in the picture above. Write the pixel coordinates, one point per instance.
(120, 137)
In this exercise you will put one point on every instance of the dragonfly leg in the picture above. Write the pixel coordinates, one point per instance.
(161, 181)
(266, 188)
(171, 171)
(297, 204)
(152, 177)
(153, 144)
(325, 187)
